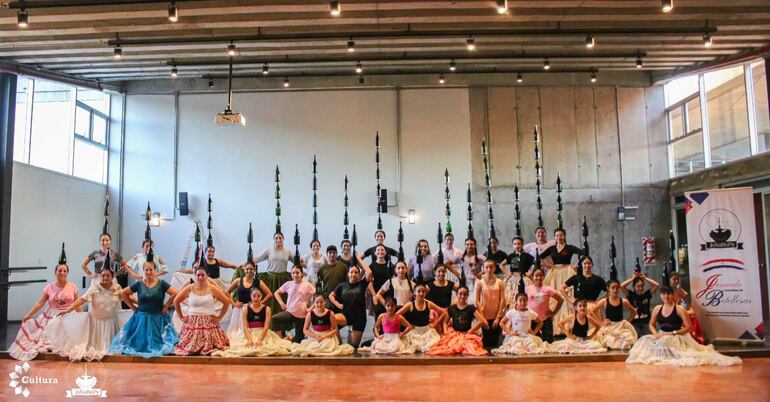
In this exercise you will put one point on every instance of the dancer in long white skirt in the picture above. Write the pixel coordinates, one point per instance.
(391, 339)
(579, 340)
(59, 295)
(87, 336)
(670, 342)
(418, 312)
(558, 259)
(256, 338)
(615, 332)
(321, 334)
(243, 287)
(520, 338)
(519, 263)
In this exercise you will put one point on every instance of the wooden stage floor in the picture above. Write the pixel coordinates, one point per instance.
(505, 382)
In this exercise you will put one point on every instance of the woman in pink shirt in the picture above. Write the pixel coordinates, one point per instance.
(541, 298)
(298, 295)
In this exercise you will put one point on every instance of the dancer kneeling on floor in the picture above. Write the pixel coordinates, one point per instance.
(615, 332)
(391, 339)
(321, 335)
(350, 300)
(460, 332)
(418, 313)
(670, 343)
(201, 332)
(520, 338)
(579, 340)
(149, 332)
(256, 339)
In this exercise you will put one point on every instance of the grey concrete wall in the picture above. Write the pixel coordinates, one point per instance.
(607, 143)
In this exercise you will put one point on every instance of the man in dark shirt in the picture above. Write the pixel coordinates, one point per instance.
(332, 274)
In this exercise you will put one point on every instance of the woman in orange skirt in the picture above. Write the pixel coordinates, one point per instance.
(460, 332)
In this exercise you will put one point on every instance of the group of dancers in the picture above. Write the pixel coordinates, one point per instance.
(451, 302)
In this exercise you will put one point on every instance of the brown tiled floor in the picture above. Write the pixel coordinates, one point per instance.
(567, 382)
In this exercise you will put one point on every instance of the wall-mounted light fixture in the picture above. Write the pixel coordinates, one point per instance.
(412, 216)
(155, 220)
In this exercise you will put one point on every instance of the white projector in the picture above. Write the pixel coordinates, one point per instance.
(228, 117)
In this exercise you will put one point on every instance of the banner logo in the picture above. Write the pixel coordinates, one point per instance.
(21, 379)
(720, 229)
(84, 384)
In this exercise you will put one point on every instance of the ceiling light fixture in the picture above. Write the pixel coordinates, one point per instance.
(471, 43)
(502, 6)
(441, 79)
(639, 61)
(334, 8)
(174, 71)
(667, 5)
(286, 82)
(593, 77)
(117, 52)
(227, 116)
(211, 83)
(707, 42)
(173, 12)
(452, 65)
(361, 80)
(232, 50)
(22, 18)
(590, 41)
(351, 45)
(546, 64)
(519, 78)
(359, 68)
(265, 69)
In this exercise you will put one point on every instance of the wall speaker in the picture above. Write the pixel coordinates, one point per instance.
(184, 206)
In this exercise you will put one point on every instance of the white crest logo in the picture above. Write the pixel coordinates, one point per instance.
(86, 385)
(16, 380)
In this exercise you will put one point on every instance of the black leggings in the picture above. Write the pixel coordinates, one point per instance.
(284, 318)
(122, 280)
(491, 337)
(546, 331)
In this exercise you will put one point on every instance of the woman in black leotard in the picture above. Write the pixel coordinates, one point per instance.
(580, 328)
(418, 313)
(243, 287)
(615, 332)
(670, 341)
(321, 333)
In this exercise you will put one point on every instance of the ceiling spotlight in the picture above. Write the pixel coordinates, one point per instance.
(334, 8)
(22, 18)
(351, 46)
(232, 50)
(471, 43)
(174, 71)
(452, 65)
(286, 82)
(667, 5)
(590, 41)
(211, 83)
(546, 64)
(361, 80)
(117, 52)
(441, 79)
(173, 12)
(502, 6)
(639, 61)
(593, 77)
(519, 78)
(265, 69)
(359, 68)
(707, 40)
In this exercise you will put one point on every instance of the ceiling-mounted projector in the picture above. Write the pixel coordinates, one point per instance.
(228, 117)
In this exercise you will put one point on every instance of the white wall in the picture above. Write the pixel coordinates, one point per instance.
(236, 164)
(47, 209)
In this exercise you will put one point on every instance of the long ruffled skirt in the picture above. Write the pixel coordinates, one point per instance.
(272, 345)
(557, 275)
(235, 326)
(576, 346)
(455, 343)
(522, 345)
(82, 336)
(325, 348)
(677, 350)
(390, 344)
(146, 335)
(511, 287)
(421, 339)
(617, 335)
(200, 335)
(31, 339)
(275, 280)
(181, 279)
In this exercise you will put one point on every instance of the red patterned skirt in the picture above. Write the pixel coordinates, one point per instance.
(200, 335)
(455, 343)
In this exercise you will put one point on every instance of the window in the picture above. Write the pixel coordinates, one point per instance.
(62, 128)
(734, 125)
(728, 119)
(761, 112)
